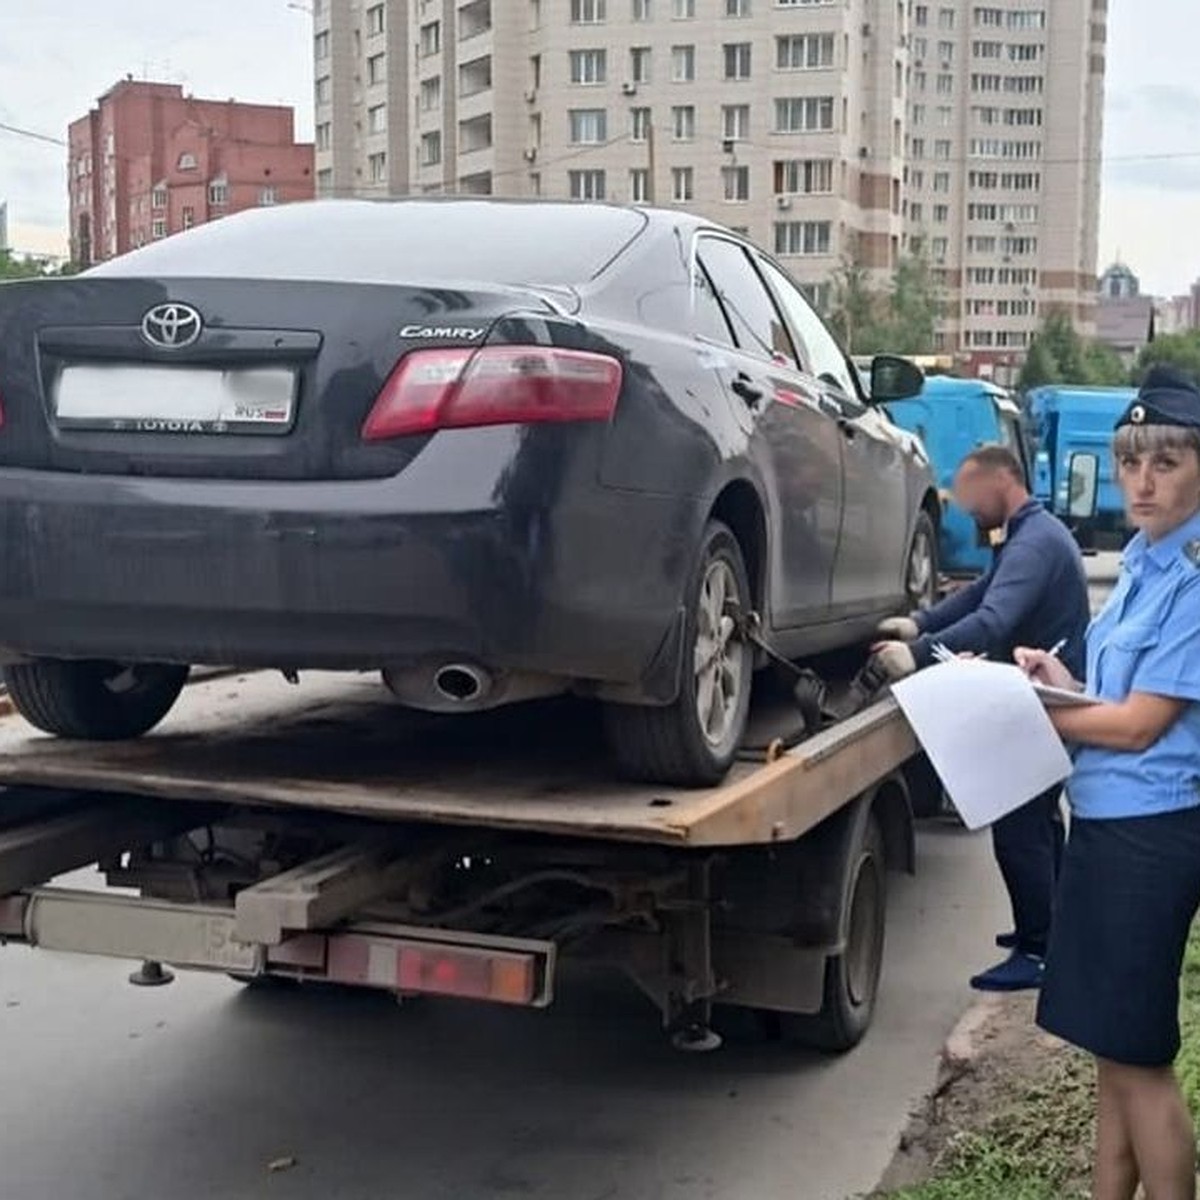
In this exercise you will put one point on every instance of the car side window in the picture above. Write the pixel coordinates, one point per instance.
(708, 319)
(757, 324)
(820, 354)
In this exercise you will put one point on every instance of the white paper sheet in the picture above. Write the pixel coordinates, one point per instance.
(1053, 697)
(987, 735)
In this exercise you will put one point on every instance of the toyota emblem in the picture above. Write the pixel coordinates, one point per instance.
(171, 326)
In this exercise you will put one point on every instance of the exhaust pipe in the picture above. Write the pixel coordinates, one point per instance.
(460, 683)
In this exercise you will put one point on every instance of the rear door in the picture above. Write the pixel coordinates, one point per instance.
(873, 542)
(794, 443)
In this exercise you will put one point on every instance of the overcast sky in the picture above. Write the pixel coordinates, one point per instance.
(57, 56)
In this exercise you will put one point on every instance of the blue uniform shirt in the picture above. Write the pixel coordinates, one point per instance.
(1147, 639)
(1035, 594)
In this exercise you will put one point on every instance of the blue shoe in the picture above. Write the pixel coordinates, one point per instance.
(1007, 941)
(1017, 973)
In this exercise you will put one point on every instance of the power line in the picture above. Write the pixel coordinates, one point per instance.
(31, 134)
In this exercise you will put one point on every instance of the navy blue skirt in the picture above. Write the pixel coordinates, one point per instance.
(1127, 895)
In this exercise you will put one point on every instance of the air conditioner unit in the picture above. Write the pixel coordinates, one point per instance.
(530, 95)
(531, 154)
(784, 202)
(629, 88)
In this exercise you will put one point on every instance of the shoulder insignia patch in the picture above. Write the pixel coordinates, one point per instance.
(1192, 552)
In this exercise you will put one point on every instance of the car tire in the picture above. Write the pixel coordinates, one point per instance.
(693, 742)
(852, 977)
(94, 701)
(921, 565)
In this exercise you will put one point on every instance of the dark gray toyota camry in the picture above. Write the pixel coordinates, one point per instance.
(493, 450)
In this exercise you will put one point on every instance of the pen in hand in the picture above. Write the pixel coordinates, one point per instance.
(1057, 648)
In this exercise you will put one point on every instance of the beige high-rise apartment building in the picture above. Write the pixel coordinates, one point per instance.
(823, 128)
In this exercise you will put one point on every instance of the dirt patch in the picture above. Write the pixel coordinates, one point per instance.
(1011, 1116)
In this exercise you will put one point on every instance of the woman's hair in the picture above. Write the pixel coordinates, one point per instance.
(1151, 439)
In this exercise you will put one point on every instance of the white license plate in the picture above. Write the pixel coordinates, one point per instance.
(158, 399)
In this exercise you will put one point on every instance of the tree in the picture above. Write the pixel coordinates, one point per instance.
(1178, 350)
(1058, 354)
(31, 268)
(901, 320)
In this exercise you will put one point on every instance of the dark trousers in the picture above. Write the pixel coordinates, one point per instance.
(1028, 845)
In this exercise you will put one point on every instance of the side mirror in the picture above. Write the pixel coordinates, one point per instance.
(894, 378)
(1084, 475)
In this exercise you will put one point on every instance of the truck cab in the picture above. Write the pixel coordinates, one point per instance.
(1073, 467)
(953, 417)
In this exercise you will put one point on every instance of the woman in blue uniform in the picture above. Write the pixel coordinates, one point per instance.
(1130, 882)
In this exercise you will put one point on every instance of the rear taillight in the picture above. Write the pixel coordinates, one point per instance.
(493, 385)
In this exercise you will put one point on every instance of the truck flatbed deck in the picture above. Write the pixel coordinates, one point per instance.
(338, 744)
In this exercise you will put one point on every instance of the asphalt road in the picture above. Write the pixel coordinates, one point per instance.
(191, 1092)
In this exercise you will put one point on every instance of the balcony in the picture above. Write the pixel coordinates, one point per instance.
(475, 135)
(475, 76)
(474, 19)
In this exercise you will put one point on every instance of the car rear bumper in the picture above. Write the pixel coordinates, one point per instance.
(338, 575)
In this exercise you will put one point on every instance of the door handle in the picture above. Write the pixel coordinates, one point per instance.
(848, 428)
(745, 387)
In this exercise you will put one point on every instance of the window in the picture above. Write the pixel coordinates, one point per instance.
(735, 122)
(737, 60)
(945, 116)
(639, 64)
(921, 15)
(941, 214)
(589, 66)
(945, 85)
(757, 326)
(941, 150)
(431, 93)
(804, 177)
(431, 148)
(802, 237)
(939, 248)
(683, 123)
(946, 18)
(639, 124)
(376, 68)
(324, 89)
(158, 196)
(683, 187)
(189, 217)
(1023, 19)
(707, 317)
(641, 10)
(589, 126)
(218, 191)
(736, 184)
(1025, 54)
(377, 118)
(820, 355)
(158, 228)
(683, 64)
(737, 8)
(987, 50)
(588, 12)
(683, 10)
(639, 185)
(989, 18)
(324, 181)
(267, 196)
(377, 167)
(324, 135)
(804, 52)
(941, 181)
(917, 114)
(945, 52)
(586, 185)
(803, 114)
(430, 39)
(375, 20)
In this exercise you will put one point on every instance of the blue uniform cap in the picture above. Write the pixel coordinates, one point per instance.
(1166, 397)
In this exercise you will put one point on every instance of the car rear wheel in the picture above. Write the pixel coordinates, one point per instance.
(94, 701)
(693, 741)
(921, 571)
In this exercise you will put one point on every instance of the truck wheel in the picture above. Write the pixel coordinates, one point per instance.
(921, 571)
(94, 701)
(693, 742)
(852, 977)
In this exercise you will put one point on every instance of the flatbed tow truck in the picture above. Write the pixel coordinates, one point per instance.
(320, 834)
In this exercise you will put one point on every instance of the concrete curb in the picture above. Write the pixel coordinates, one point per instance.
(965, 1041)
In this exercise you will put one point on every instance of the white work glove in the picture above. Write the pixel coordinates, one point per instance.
(894, 660)
(900, 629)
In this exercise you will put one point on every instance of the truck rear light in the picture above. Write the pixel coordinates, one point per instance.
(494, 385)
(503, 976)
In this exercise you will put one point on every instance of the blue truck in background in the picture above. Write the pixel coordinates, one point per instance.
(1073, 472)
(953, 417)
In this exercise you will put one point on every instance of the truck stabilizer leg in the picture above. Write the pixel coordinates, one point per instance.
(151, 974)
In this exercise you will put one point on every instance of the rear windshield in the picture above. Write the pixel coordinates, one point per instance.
(381, 242)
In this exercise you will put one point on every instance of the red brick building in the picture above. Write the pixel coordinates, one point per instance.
(149, 161)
